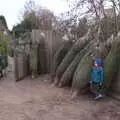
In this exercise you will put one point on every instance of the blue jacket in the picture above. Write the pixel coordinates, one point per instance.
(97, 74)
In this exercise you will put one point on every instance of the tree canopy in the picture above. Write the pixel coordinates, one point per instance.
(33, 18)
(3, 21)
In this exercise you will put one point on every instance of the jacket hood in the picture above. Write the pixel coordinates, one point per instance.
(99, 61)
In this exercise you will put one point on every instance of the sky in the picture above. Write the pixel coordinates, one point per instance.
(11, 9)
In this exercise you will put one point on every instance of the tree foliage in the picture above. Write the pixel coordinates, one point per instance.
(33, 17)
(4, 39)
(26, 25)
(3, 21)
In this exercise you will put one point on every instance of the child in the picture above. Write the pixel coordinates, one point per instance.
(96, 81)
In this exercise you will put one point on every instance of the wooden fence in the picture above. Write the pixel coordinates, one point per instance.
(21, 66)
(41, 48)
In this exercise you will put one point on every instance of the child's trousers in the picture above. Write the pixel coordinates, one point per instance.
(96, 88)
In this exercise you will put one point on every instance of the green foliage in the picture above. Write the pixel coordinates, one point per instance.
(111, 64)
(4, 43)
(25, 26)
(60, 54)
(69, 57)
(3, 21)
(76, 48)
(82, 73)
(68, 74)
(33, 19)
(67, 60)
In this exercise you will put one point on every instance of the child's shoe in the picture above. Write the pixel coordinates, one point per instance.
(98, 96)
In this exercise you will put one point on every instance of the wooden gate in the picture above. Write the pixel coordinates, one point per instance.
(21, 66)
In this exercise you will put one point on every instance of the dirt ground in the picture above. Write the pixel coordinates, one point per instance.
(38, 100)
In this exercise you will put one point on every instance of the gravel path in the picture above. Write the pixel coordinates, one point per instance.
(38, 100)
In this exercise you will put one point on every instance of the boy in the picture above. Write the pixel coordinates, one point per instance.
(96, 81)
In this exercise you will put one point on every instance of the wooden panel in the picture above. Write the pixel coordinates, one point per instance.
(21, 66)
